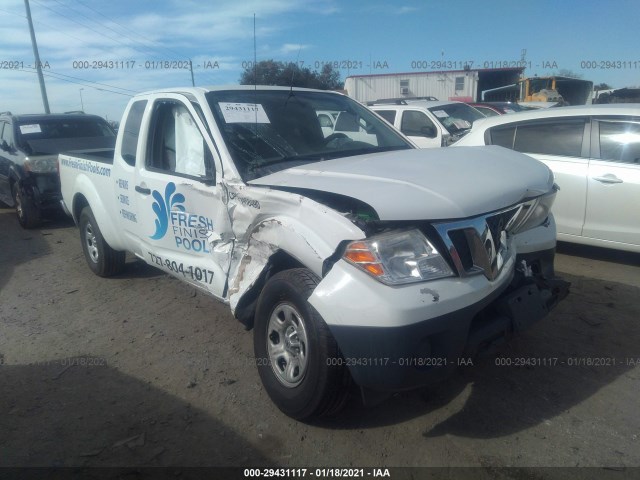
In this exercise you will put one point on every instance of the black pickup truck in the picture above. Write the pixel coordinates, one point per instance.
(29, 147)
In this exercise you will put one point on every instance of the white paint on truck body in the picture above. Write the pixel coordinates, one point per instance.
(219, 231)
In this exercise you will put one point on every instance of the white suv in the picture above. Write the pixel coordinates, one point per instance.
(594, 152)
(429, 123)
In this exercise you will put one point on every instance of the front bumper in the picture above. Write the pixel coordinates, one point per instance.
(43, 189)
(406, 337)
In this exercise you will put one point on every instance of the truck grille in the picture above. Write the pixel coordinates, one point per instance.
(479, 244)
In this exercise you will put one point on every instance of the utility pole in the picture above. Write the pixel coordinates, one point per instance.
(81, 102)
(43, 89)
(193, 84)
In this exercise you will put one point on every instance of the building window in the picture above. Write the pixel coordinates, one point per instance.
(404, 87)
(459, 83)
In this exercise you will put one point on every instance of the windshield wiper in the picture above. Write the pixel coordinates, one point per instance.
(302, 158)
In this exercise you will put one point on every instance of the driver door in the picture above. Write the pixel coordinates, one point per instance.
(183, 224)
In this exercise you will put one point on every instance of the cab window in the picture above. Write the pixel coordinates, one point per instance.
(177, 146)
(388, 115)
(131, 132)
(6, 133)
(417, 124)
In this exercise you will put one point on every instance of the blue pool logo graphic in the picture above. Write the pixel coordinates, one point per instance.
(162, 207)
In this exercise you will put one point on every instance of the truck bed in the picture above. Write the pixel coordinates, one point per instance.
(86, 179)
(102, 155)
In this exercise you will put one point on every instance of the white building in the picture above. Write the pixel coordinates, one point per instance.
(464, 85)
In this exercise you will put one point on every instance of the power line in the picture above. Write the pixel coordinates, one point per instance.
(95, 83)
(12, 13)
(126, 29)
(50, 26)
(111, 29)
(59, 30)
(93, 29)
(86, 83)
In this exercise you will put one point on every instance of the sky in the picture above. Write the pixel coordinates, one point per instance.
(97, 54)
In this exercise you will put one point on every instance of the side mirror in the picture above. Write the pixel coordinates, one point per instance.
(209, 179)
(429, 132)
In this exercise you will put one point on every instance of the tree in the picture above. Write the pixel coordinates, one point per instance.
(271, 72)
(602, 86)
(565, 72)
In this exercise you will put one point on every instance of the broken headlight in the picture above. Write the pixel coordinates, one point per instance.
(397, 258)
(534, 212)
(41, 164)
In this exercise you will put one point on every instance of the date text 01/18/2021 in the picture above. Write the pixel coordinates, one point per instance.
(402, 361)
(327, 472)
(569, 362)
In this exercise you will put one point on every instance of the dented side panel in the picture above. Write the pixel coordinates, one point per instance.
(265, 221)
(176, 191)
(183, 228)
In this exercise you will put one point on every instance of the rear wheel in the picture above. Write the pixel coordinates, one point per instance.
(297, 357)
(102, 259)
(28, 214)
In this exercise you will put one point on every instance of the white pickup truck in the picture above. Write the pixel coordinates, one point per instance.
(356, 261)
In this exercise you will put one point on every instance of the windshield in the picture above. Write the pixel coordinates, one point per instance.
(270, 130)
(457, 118)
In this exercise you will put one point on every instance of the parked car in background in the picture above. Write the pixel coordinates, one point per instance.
(29, 147)
(428, 123)
(594, 152)
(491, 109)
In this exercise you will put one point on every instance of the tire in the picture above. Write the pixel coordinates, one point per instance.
(294, 348)
(28, 214)
(103, 260)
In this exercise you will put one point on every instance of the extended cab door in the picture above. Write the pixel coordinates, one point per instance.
(182, 223)
(613, 198)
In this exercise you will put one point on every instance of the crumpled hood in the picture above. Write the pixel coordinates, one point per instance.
(425, 184)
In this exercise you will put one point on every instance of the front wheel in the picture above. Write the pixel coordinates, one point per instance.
(297, 357)
(27, 212)
(103, 260)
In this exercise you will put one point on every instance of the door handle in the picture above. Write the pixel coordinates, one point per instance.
(142, 190)
(608, 179)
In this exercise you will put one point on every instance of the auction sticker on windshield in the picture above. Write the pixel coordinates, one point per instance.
(440, 113)
(462, 124)
(243, 113)
(32, 128)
